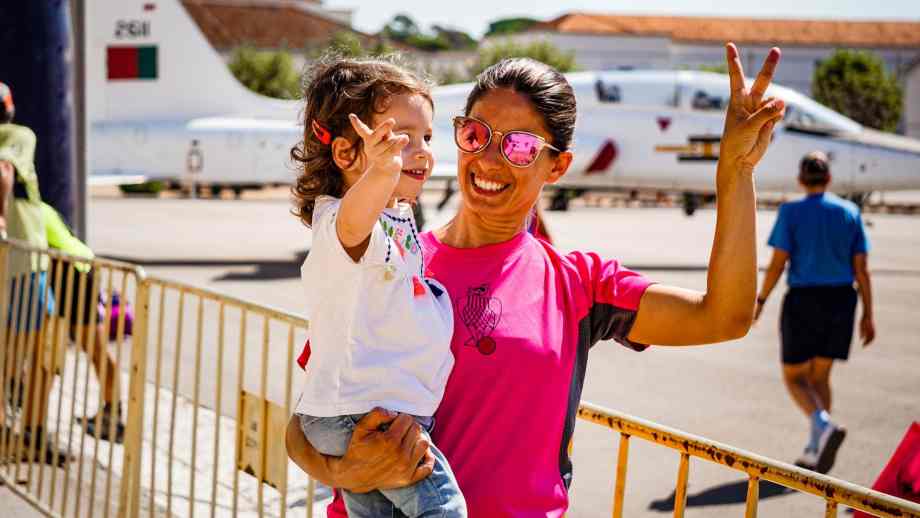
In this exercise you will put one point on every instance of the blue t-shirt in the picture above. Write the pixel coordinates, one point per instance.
(821, 233)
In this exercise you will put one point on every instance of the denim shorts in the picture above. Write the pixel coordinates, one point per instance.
(23, 289)
(438, 495)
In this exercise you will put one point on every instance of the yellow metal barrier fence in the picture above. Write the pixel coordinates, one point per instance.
(210, 388)
(218, 393)
(835, 492)
(49, 300)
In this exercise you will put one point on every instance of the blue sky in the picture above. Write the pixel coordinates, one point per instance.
(474, 15)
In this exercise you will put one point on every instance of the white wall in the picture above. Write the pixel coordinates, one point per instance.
(594, 52)
(912, 103)
(439, 62)
(794, 72)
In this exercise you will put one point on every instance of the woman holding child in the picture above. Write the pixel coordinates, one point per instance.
(524, 314)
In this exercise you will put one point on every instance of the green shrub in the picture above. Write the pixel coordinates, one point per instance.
(856, 84)
(539, 50)
(151, 187)
(506, 26)
(269, 73)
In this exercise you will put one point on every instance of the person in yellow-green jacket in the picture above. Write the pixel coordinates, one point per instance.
(24, 217)
(61, 238)
(21, 219)
(21, 215)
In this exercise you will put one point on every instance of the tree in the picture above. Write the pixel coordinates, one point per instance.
(381, 48)
(401, 28)
(856, 84)
(721, 68)
(539, 50)
(451, 75)
(348, 44)
(455, 39)
(507, 26)
(268, 73)
(428, 43)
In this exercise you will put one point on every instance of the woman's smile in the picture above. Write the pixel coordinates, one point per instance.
(486, 187)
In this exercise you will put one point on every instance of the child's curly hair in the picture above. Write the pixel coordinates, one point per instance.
(335, 87)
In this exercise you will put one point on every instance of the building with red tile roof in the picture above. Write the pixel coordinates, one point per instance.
(612, 41)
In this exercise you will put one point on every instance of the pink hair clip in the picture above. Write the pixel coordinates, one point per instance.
(321, 133)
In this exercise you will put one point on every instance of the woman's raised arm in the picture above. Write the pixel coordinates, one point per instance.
(675, 316)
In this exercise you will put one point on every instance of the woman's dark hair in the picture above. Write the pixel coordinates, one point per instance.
(333, 88)
(548, 90)
(814, 169)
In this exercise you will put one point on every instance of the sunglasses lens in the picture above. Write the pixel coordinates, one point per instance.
(471, 135)
(520, 149)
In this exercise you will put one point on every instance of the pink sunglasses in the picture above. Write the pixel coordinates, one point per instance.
(519, 148)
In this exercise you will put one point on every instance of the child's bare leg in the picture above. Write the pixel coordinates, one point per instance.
(104, 365)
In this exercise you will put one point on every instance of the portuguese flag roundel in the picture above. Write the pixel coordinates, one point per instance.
(131, 62)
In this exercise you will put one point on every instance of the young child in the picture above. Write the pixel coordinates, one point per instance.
(380, 331)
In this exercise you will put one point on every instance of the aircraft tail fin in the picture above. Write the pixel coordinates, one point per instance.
(148, 59)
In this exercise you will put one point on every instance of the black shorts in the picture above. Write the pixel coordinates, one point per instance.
(817, 321)
(90, 299)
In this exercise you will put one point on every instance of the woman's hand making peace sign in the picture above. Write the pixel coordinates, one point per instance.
(750, 118)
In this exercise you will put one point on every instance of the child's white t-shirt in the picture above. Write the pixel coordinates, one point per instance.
(379, 331)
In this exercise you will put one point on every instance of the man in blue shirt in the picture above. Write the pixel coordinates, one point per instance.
(823, 239)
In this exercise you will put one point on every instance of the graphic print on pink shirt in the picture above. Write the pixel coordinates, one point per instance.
(480, 314)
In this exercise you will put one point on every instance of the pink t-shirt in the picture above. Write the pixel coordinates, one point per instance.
(525, 318)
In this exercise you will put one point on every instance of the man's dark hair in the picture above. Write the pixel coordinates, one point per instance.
(815, 170)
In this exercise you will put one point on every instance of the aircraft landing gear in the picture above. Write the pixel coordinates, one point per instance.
(859, 198)
(691, 202)
(448, 194)
(560, 200)
(419, 214)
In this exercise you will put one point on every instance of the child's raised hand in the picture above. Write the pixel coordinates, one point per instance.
(382, 148)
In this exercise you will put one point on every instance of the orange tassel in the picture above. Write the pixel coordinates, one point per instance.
(418, 287)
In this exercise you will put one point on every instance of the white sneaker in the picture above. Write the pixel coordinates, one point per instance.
(828, 444)
(808, 459)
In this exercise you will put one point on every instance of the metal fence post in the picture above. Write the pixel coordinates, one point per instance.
(5, 283)
(129, 499)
